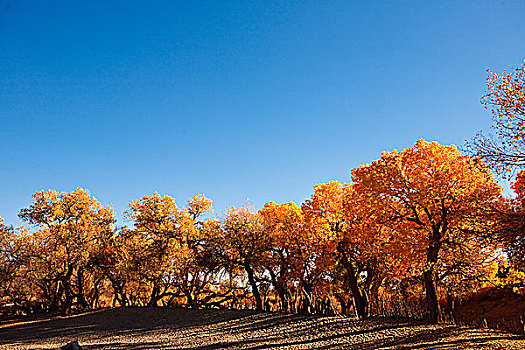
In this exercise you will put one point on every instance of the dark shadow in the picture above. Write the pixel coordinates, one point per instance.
(119, 321)
(170, 329)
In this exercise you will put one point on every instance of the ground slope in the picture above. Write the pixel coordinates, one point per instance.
(156, 328)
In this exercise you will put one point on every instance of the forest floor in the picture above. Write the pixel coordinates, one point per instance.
(162, 328)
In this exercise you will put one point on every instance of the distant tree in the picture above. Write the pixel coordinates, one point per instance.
(200, 269)
(163, 240)
(283, 222)
(71, 227)
(300, 258)
(505, 96)
(13, 263)
(243, 242)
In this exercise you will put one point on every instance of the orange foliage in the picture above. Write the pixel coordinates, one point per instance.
(166, 248)
(435, 197)
(506, 97)
(71, 228)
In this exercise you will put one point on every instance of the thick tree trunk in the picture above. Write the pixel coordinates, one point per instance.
(342, 302)
(81, 298)
(373, 307)
(360, 302)
(307, 299)
(190, 300)
(280, 291)
(119, 295)
(154, 296)
(56, 296)
(253, 285)
(94, 297)
(68, 292)
(430, 283)
(431, 296)
(451, 308)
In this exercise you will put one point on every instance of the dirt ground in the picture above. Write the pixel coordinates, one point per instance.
(158, 328)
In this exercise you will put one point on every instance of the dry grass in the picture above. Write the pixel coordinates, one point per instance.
(151, 328)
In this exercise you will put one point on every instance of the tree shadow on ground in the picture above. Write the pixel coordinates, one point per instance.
(425, 339)
(170, 329)
(120, 321)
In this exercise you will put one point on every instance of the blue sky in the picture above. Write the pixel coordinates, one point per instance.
(235, 99)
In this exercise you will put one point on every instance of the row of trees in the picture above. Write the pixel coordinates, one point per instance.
(418, 222)
(412, 232)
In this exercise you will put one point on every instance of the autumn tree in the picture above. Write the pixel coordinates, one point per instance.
(514, 222)
(244, 242)
(326, 215)
(283, 222)
(301, 255)
(114, 257)
(8, 257)
(432, 193)
(200, 269)
(510, 230)
(70, 228)
(169, 254)
(13, 265)
(348, 225)
(365, 247)
(297, 257)
(505, 96)
(160, 237)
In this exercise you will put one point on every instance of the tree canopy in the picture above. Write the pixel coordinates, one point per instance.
(409, 233)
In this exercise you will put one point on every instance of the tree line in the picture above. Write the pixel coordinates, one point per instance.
(411, 233)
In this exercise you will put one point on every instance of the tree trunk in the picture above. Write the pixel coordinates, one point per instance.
(280, 291)
(373, 307)
(307, 299)
(56, 296)
(431, 296)
(360, 302)
(68, 292)
(429, 282)
(451, 308)
(253, 285)
(342, 302)
(81, 299)
(190, 301)
(154, 296)
(119, 294)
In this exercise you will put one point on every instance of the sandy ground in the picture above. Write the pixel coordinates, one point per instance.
(151, 328)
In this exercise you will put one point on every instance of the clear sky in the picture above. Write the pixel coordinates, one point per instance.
(235, 99)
